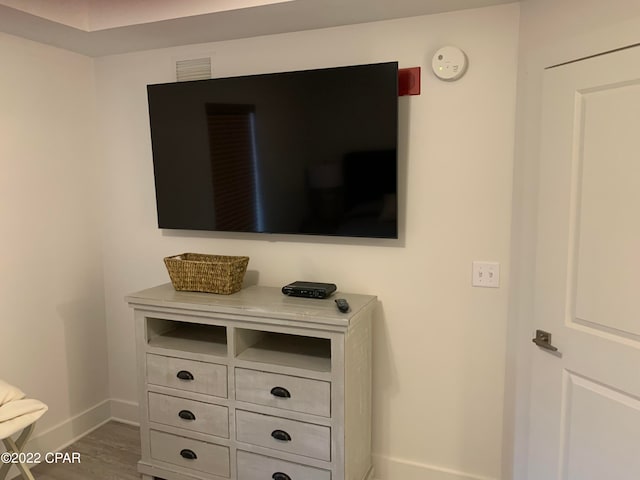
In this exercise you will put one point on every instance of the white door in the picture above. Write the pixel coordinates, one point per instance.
(585, 404)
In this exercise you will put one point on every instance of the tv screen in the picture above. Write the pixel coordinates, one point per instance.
(305, 152)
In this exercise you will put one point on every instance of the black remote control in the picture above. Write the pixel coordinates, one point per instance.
(342, 304)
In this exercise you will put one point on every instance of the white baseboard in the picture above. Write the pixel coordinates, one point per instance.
(65, 433)
(389, 468)
(125, 411)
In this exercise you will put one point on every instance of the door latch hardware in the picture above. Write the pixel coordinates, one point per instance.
(543, 340)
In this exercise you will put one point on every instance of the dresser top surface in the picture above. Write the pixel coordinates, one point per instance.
(255, 301)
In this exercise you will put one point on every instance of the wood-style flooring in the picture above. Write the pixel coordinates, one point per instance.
(110, 452)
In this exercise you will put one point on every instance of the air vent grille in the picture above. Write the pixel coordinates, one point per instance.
(193, 69)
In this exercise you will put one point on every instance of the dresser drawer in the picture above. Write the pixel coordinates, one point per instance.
(259, 467)
(200, 377)
(282, 434)
(188, 414)
(283, 391)
(188, 453)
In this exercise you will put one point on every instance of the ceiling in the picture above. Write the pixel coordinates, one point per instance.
(104, 27)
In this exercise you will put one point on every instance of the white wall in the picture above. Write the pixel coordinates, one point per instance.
(551, 32)
(439, 344)
(52, 321)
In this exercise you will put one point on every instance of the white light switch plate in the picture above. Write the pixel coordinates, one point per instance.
(486, 274)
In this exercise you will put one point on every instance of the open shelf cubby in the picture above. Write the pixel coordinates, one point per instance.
(187, 337)
(308, 353)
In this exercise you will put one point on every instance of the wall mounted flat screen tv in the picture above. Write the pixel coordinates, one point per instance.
(306, 152)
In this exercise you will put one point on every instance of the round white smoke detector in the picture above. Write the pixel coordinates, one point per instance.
(449, 63)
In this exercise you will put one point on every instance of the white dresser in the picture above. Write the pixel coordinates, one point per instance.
(253, 386)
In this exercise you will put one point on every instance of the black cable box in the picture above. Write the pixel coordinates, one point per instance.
(309, 289)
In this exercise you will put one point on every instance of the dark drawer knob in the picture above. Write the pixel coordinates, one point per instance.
(186, 415)
(184, 375)
(188, 454)
(280, 476)
(280, 392)
(281, 435)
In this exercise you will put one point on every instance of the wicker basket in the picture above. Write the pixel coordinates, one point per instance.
(197, 272)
